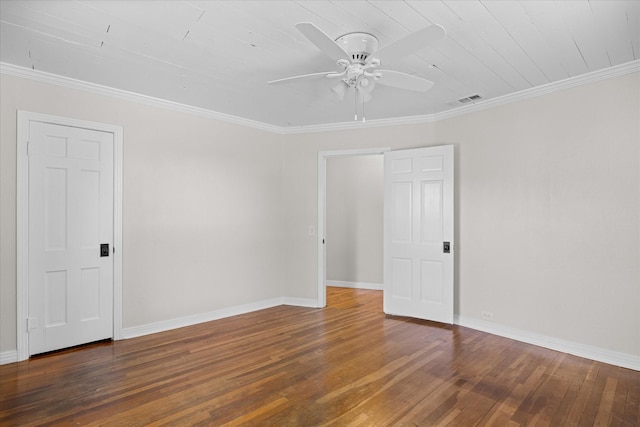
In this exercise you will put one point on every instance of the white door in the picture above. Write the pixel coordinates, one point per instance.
(70, 280)
(418, 233)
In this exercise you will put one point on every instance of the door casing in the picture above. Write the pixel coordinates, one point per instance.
(22, 279)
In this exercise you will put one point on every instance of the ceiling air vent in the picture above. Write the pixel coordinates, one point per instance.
(467, 99)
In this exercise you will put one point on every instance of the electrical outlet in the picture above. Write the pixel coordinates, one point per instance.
(486, 315)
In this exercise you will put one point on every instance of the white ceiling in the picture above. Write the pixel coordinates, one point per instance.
(218, 55)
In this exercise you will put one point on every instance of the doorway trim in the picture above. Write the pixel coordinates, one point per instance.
(22, 219)
(322, 209)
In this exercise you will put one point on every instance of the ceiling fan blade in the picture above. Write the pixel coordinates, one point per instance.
(322, 41)
(404, 81)
(299, 78)
(411, 43)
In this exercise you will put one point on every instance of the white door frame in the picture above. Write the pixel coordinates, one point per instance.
(322, 209)
(22, 285)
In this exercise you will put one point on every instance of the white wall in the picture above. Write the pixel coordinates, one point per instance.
(355, 194)
(202, 214)
(547, 210)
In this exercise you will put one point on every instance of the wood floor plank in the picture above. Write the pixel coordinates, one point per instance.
(632, 407)
(345, 365)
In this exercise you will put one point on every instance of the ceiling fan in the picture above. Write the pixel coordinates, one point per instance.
(358, 58)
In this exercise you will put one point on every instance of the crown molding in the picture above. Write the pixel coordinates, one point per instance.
(54, 79)
(549, 88)
(592, 77)
(354, 125)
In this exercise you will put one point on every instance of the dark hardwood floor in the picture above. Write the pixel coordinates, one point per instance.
(346, 365)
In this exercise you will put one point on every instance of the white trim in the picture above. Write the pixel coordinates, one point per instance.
(590, 352)
(595, 76)
(549, 88)
(355, 285)
(577, 349)
(118, 159)
(353, 125)
(181, 322)
(22, 252)
(10, 356)
(592, 77)
(300, 302)
(322, 202)
(54, 79)
(22, 234)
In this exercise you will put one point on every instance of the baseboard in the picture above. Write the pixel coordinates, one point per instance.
(10, 356)
(355, 285)
(577, 349)
(167, 325)
(300, 302)
(590, 352)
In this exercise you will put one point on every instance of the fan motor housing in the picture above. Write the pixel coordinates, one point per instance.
(358, 45)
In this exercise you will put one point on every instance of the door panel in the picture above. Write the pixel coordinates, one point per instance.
(55, 307)
(402, 272)
(418, 276)
(56, 209)
(402, 224)
(70, 214)
(90, 208)
(431, 220)
(431, 282)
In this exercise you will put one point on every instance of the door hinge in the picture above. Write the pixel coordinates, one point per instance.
(28, 150)
(32, 323)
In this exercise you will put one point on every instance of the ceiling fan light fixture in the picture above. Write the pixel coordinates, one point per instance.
(354, 54)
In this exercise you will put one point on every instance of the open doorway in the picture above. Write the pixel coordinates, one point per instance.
(351, 298)
(418, 226)
(354, 232)
(350, 207)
